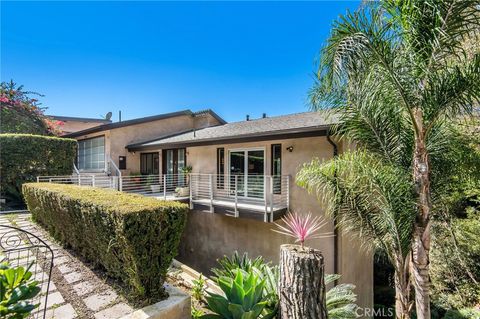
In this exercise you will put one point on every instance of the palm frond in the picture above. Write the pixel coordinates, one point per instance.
(369, 198)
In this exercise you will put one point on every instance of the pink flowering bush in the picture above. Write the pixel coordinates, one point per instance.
(22, 114)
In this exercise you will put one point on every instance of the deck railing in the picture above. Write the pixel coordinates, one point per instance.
(156, 185)
(263, 193)
(81, 179)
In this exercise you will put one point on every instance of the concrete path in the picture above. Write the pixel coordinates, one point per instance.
(75, 290)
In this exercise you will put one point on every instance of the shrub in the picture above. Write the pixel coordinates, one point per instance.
(16, 289)
(23, 157)
(133, 237)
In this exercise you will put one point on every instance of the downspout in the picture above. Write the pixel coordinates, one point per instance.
(335, 230)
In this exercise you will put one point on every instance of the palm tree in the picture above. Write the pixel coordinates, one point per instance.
(373, 200)
(399, 72)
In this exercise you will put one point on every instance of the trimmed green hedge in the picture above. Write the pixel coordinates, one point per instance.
(134, 238)
(23, 157)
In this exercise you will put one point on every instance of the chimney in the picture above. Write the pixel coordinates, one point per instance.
(248, 117)
(264, 115)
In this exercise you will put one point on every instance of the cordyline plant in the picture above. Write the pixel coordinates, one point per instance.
(302, 227)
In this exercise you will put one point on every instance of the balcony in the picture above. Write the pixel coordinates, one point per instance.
(260, 197)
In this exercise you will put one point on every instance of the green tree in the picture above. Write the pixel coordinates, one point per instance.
(399, 72)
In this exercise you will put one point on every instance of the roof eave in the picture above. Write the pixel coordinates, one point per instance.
(252, 137)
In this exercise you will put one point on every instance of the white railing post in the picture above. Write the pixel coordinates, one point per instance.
(190, 177)
(288, 193)
(38, 179)
(236, 196)
(120, 183)
(164, 187)
(271, 198)
(265, 198)
(49, 180)
(93, 180)
(210, 186)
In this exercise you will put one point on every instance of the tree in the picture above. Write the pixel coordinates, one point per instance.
(21, 113)
(399, 72)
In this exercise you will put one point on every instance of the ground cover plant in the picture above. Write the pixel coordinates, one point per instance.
(134, 238)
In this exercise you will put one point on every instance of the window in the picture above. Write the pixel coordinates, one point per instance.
(149, 163)
(277, 168)
(91, 154)
(221, 168)
(173, 161)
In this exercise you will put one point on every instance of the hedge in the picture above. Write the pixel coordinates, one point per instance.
(23, 157)
(133, 237)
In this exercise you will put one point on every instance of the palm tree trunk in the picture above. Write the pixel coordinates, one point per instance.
(421, 235)
(402, 290)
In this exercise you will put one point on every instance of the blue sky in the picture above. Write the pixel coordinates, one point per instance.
(147, 58)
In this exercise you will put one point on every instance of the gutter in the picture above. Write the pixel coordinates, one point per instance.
(335, 230)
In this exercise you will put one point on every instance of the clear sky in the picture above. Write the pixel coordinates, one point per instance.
(147, 58)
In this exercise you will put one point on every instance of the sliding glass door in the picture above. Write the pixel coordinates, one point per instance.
(247, 167)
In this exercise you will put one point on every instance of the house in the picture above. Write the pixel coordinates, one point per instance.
(101, 149)
(242, 180)
(75, 124)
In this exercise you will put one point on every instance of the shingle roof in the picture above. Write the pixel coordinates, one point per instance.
(257, 128)
(110, 126)
(78, 119)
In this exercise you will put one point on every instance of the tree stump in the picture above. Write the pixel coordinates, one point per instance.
(302, 283)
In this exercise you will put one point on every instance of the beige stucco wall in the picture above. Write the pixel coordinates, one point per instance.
(210, 236)
(116, 139)
(75, 126)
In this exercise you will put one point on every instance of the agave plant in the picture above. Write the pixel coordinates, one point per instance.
(340, 299)
(244, 298)
(302, 227)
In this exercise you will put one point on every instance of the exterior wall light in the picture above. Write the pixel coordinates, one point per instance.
(290, 148)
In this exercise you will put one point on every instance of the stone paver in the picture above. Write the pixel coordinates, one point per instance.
(117, 311)
(61, 260)
(54, 298)
(101, 300)
(83, 288)
(75, 290)
(73, 277)
(64, 269)
(62, 312)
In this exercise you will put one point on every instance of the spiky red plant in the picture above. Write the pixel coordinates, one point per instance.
(302, 227)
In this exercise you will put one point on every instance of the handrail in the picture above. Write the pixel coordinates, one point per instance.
(119, 173)
(75, 168)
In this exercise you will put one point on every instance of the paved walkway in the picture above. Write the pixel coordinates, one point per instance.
(75, 290)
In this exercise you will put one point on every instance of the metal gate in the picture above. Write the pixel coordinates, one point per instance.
(21, 248)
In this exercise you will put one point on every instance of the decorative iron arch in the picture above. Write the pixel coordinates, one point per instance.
(22, 248)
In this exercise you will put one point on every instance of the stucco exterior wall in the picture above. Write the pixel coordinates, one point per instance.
(75, 126)
(210, 236)
(116, 139)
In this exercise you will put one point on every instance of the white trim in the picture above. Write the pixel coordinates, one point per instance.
(245, 172)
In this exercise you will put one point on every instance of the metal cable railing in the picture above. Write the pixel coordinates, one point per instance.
(263, 193)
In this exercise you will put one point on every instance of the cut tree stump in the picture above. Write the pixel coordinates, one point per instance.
(301, 284)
